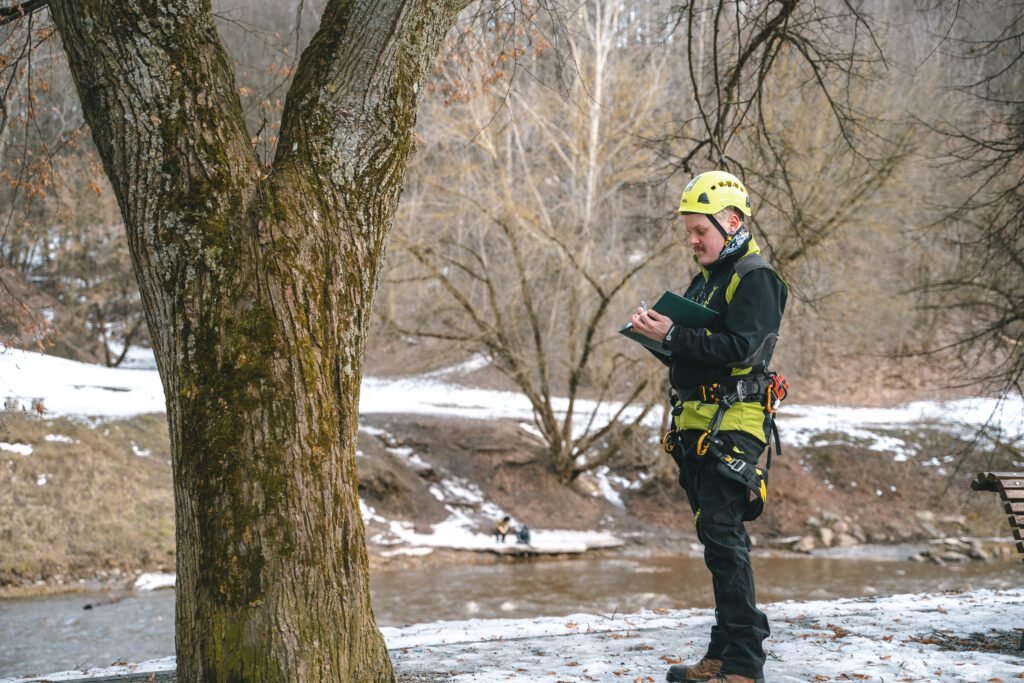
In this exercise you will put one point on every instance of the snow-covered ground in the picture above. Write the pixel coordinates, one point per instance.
(56, 387)
(883, 639)
(896, 638)
(68, 388)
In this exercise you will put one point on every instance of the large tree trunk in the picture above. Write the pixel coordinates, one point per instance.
(257, 286)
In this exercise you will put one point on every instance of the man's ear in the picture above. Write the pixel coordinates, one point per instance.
(734, 223)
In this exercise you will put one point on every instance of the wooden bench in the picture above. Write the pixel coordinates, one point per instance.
(1010, 487)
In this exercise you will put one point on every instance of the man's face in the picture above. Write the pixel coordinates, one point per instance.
(704, 238)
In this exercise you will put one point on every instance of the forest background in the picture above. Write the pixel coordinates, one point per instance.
(881, 142)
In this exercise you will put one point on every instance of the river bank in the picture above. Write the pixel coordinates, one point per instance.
(87, 491)
(1000, 557)
(92, 504)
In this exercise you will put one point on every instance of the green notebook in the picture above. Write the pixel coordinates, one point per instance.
(682, 311)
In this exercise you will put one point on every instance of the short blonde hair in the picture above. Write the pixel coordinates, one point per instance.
(723, 215)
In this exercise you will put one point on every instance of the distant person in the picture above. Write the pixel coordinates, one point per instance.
(502, 528)
(722, 405)
(523, 535)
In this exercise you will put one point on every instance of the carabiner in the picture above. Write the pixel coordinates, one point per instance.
(703, 443)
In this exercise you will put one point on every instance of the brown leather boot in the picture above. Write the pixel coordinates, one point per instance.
(694, 673)
(732, 678)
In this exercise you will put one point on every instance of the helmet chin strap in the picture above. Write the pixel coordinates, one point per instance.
(714, 222)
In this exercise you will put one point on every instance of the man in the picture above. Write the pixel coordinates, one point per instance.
(502, 528)
(721, 424)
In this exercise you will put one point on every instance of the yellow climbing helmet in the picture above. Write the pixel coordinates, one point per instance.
(711, 192)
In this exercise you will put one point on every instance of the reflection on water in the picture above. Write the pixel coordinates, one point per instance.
(525, 589)
(51, 634)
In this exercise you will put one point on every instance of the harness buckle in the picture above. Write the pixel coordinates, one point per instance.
(734, 464)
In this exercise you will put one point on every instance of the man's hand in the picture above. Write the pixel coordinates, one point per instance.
(651, 324)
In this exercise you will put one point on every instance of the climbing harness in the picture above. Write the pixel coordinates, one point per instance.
(767, 389)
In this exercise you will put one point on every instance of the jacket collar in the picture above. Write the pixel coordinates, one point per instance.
(751, 248)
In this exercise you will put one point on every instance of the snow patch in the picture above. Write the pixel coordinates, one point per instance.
(411, 552)
(19, 448)
(602, 478)
(800, 424)
(475, 362)
(70, 388)
(458, 532)
(153, 581)
(461, 491)
(369, 514)
(137, 358)
(532, 430)
(405, 454)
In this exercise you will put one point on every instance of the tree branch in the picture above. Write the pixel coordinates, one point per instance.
(356, 89)
(20, 10)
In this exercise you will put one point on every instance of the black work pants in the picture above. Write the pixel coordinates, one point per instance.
(718, 503)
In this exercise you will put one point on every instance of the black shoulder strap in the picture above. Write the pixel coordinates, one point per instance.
(750, 263)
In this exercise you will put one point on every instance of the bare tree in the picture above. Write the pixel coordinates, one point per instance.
(530, 224)
(985, 154)
(257, 285)
(93, 277)
(30, 130)
(770, 83)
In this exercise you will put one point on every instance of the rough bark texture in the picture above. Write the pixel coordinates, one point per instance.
(257, 288)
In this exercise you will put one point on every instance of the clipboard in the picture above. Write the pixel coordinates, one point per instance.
(681, 311)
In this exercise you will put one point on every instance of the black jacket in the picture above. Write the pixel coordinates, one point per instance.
(753, 311)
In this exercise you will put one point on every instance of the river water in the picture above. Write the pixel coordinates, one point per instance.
(45, 635)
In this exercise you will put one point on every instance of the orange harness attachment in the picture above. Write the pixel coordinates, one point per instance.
(778, 389)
